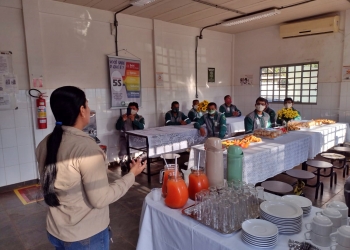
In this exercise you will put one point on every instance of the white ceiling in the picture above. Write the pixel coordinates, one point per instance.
(191, 13)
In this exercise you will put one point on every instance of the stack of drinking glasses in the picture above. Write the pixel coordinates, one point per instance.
(225, 207)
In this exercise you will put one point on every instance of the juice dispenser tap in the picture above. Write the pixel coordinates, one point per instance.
(214, 161)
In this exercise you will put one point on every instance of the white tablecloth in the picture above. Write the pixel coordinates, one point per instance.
(162, 228)
(325, 137)
(265, 159)
(235, 124)
(166, 139)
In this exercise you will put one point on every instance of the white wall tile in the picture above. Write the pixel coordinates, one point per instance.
(24, 136)
(12, 175)
(8, 137)
(27, 171)
(26, 153)
(2, 177)
(0, 141)
(2, 163)
(22, 100)
(21, 118)
(7, 119)
(10, 156)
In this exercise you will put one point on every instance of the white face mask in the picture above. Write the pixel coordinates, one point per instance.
(133, 112)
(195, 106)
(288, 105)
(259, 107)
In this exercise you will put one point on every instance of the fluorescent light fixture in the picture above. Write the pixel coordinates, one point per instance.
(141, 2)
(253, 17)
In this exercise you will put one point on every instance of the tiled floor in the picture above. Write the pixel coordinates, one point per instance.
(23, 227)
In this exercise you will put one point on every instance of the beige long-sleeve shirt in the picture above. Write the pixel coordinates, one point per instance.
(81, 186)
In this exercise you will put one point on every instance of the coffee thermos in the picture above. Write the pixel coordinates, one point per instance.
(214, 161)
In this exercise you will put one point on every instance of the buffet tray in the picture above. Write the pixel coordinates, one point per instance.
(188, 211)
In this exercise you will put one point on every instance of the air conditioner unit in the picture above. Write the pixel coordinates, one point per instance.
(310, 27)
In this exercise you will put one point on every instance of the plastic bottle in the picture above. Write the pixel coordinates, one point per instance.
(214, 161)
(234, 163)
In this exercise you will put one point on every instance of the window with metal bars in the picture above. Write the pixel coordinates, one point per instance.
(298, 81)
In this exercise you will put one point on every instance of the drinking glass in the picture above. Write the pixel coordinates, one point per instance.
(207, 210)
(260, 191)
(215, 214)
(225, 216)
(198, 207)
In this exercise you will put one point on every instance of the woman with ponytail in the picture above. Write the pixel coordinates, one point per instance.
(74, 181)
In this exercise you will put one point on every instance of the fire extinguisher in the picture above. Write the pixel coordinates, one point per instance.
(41, 109)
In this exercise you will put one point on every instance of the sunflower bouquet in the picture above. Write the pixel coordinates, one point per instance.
(202, 106)
(287, 114)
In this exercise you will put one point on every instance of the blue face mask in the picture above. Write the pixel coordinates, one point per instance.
(175, 110)
(211, 112)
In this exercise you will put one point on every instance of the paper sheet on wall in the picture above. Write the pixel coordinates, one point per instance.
(346, 73)
(5, 101)
(9, 84)
(246, 80)
(5, 63)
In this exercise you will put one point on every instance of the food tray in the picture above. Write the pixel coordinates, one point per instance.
(188, 211)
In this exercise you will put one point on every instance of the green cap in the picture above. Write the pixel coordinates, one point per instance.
(234, 150)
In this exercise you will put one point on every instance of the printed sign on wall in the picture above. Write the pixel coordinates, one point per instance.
(125, 81)
(211, 74)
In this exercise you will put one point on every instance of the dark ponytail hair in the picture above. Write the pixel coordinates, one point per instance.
(65, 105)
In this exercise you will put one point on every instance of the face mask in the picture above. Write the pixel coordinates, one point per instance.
(133, 112)
(175, 110)
(288, 105)
(259, 107)
(211, 112)
(195, 106)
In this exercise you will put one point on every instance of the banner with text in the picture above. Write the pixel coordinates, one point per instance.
(125, 80)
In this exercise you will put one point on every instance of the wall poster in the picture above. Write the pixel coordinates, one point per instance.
(125, 81)
(211, 74)
(346, 73)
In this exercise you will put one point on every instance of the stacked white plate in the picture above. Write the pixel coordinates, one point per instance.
(259, 233)
(304, 203)
(286, 215)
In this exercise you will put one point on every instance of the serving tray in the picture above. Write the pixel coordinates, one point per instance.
(189, 212)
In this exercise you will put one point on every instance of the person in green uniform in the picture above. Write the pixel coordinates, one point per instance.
(258, 118)
(126, 122)
(193, 114)
(271, 113)
(215, 123)
(228, 109)
(176, 117)
(288, 103)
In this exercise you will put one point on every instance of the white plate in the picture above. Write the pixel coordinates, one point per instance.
(250, 244)
(296, 220)
(262, 240)
(259, 238)
(281, 209)
(259, 228)
(256, 243)
(299, 200)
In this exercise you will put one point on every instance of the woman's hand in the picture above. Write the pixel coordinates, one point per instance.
(136, 167)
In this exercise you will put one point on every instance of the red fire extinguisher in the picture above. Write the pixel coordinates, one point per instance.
(41, 109)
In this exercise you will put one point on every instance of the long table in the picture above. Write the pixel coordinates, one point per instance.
(265, 159)
(271, 157)
(165, 228)
(157, 141)
(325, 137)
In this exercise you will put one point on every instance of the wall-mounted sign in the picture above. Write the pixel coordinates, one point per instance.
(246, 80)
(211, 74)
(125, 81)
(346, 73)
